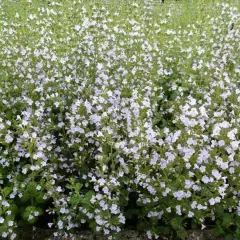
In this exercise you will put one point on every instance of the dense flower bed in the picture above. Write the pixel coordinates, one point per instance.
(113, 112)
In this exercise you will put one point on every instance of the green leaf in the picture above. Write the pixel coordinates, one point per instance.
(9, 114)
(153, 221)
(75, 199)
(33, 220)
(6, 191)
(166, 231)
(14, 209)
(25, 197)
(86, 203)
(39, 197)
(78, 186)
(89, 194)
(194, 225)
(176, 223)
(123, 202)
(30, 211)
(3, 229)
(238, 221)
(9, 217)
(40, 210)
(140, 204)
(93, 226)
(227, 219)
(229, 237)
(158, 229)
(32, 188)
(219, 210)
(217, 231)
(22, 223)
(182, 234)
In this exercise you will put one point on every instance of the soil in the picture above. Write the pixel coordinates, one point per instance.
(44, 234)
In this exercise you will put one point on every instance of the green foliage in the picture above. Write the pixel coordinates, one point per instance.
(31, 214)
(120, 113)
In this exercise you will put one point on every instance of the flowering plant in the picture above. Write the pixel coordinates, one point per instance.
(117, 113)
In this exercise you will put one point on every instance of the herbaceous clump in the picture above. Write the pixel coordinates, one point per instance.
(113, 112)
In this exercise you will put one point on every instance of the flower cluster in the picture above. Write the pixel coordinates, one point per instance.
(100, 102)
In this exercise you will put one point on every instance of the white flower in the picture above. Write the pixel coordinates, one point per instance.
(1, 220)
(151, 190)
(96, 188)
(122, 219)
(8, 138)
(83, 220)
(212, 201)
(168, 209)
(12, 195)
(114, 209)
(188, 184)
(203, 226)
(203, 111)
(190, 214)
(105, 190)
(216, 130)
(106, 231)
(39, 65)
(13, 236)
(162, 184)
(179, 195)
(5, 234)
(178, 210)
(50, 225)
(59, 189)
(205, 179)
(60, 224)
(9, 212)
(99, 66)
(101, 181)
(34, 135)
(235, 144)
(68, 79)
(149, 235)
(216, 174)
(10, 223)
(231, 134)
(77, 27)
(5, 204)
(202, 169)
(63, 210)
(170, 156)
